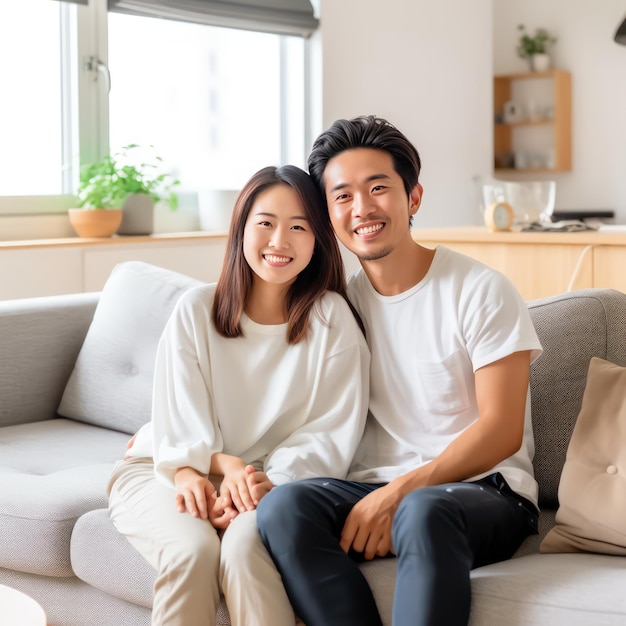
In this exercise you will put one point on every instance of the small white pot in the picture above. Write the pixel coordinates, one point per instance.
(540, 62)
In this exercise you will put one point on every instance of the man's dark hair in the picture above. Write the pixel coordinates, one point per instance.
(365, 131)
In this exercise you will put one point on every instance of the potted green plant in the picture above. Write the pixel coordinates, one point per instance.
(120, 192)
(535, 47)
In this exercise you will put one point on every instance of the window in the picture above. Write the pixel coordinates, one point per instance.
(209, 99)
(34, 109)
(216, 103)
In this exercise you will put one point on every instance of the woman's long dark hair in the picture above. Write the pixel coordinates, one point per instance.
(324, 272)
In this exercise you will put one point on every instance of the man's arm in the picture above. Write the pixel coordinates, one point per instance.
(501, 389)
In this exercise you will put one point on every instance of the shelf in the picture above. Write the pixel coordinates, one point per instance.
(541, 122)
(525, 170)
(545, 140)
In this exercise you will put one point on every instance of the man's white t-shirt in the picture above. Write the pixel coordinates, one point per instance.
(292, 410)
(426, 344)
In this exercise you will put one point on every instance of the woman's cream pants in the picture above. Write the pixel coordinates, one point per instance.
(193, 566)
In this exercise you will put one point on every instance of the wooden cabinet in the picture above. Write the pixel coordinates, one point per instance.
(540, 264)
(73, 265)
(532, 122)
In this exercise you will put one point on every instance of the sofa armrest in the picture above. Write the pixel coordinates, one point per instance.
(573, 327)
(39, 341)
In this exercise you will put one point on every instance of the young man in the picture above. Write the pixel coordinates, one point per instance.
(443, 476)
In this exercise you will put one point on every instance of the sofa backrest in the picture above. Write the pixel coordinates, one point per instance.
(572, 327)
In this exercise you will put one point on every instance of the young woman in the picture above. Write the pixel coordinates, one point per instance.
(260, 379)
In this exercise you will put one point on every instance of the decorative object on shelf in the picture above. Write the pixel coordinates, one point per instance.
(117, 183)
(499, 216)
(215, 208)
(535, 48)
(531, 201)
(95, 223)
(513, 112)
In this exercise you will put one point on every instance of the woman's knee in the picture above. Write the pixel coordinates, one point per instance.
(194, 552)
(241, 539)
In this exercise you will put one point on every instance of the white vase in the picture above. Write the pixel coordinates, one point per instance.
(540, 62)
(215, 208)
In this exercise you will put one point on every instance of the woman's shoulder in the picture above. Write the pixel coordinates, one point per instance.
(335, 313)
(333, 303)
(195, 301)
(200, 294)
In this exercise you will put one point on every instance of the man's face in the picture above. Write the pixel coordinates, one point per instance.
(367, 203)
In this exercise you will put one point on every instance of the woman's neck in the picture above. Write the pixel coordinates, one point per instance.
(266, 304)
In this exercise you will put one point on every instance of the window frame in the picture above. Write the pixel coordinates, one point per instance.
(87, 61)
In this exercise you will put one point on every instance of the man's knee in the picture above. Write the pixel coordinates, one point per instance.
(425, 514)
(283, 502)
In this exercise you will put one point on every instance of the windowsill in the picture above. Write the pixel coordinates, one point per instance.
(50, 229)
(104, 241)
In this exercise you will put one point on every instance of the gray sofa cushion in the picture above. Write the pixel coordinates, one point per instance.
(111, 384)
(546, 589)
(51, 473)
(113, 565)
(41, 338)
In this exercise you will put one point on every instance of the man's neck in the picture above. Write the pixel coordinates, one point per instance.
(401, 269)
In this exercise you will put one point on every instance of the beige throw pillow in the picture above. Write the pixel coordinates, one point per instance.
(592, 492)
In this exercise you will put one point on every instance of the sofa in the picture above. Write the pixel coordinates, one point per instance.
(75, 383)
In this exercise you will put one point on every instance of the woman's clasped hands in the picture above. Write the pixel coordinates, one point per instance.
(241, 490)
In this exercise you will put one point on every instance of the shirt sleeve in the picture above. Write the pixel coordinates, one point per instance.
(497, 322)
(326, 443)
(185, 430)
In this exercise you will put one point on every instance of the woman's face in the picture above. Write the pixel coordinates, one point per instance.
(277, 240)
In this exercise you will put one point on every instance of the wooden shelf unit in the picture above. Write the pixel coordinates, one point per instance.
(560, 121)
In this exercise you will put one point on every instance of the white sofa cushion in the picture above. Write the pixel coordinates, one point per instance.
(111, 383)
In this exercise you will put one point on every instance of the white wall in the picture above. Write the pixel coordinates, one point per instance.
(426, 66)
(585, 47)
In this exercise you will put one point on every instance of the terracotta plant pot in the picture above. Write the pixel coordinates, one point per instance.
(95, 222)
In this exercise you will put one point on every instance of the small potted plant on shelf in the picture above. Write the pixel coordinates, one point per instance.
(117, 194)
(535, 48)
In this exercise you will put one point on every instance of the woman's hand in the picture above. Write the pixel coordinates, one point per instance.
(195, 493)
(222, 514)
(258, 483)
(129, 445)
(234, 488)
(242, 485)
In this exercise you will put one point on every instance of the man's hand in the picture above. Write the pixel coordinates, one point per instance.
(368, 525)
(194, 493)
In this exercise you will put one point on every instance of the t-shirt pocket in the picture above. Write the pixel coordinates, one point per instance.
(440, 386)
